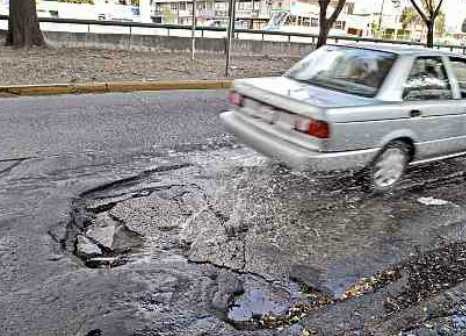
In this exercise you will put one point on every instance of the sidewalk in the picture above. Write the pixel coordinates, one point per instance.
(46, 66)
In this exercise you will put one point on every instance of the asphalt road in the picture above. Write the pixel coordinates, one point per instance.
(206, 237)
(53, 149)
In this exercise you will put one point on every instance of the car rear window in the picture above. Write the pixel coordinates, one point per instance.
(350, 70)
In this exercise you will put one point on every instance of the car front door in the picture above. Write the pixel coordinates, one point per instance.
(434, 113)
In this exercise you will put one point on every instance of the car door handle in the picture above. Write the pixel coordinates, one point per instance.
(415, 113)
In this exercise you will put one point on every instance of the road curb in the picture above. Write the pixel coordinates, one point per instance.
(126, 86)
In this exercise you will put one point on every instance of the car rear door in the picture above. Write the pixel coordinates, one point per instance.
(434, 113)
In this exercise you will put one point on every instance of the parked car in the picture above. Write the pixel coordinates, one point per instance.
(375, 109)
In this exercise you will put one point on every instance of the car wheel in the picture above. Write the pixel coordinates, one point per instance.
(389, 166)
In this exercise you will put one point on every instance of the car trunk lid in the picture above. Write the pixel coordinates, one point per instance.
(276, 105)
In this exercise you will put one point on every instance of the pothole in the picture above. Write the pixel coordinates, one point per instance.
(115, 223)
(289, 249)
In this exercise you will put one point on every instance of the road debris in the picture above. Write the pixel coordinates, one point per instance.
(432, 201)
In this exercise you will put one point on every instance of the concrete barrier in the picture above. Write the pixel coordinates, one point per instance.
(173, 44)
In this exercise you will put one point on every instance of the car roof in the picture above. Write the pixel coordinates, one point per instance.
(401, 49)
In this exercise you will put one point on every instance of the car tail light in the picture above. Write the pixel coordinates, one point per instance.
(316, 128)
(235, 98)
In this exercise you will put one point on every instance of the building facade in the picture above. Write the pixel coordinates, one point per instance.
(252, 14)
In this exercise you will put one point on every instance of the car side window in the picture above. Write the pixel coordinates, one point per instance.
(427, 80)
(459, 69)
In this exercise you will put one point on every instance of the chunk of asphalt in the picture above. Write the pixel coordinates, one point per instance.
(228, 286)
(103, 231)
(86, 249)
(125, 240)
(113, 236)
(103, 235)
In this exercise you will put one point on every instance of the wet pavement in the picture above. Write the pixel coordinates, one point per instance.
(125, 215)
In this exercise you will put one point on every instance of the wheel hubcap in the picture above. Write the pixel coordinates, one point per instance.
(389, 168)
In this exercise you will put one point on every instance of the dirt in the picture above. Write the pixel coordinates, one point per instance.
(37, 66)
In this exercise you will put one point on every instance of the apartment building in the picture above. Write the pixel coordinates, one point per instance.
(250, 14)
(303, 17)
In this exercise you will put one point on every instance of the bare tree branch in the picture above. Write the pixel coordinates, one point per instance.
(437, 10)
(337, 11)
(326, 23)
(420, 11)
(429, 4)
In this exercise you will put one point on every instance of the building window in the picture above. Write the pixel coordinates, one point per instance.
(183, 6)
(340, 25)
(242, 5)
(174, 6)
(314, 22)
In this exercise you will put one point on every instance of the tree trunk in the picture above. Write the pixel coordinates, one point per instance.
(430, 34)
(323, 35)
(23, 25)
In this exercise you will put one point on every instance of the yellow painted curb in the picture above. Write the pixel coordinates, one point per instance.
(130, 86)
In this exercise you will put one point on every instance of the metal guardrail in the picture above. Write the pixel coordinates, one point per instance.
(262, 33)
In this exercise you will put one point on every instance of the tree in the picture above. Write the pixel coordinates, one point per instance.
(23, 25)
(325, 22)
(429, 14)
(409, 19)
(440, 24)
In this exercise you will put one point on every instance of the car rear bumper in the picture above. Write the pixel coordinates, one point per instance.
(292, 155)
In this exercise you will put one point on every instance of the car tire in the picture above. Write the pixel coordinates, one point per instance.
(388, 168)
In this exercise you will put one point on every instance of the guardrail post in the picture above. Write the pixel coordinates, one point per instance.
(230, 35)
(88, 28)
(130, 35)
(262, 36)
(289, 39)
(193, 32)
